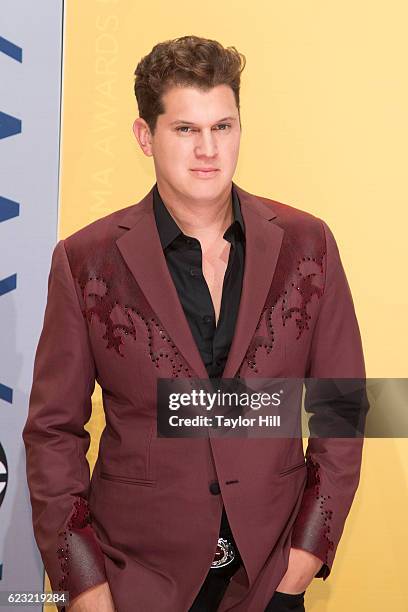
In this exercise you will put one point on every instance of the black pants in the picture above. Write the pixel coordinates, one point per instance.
(215, 585)
(283, 602)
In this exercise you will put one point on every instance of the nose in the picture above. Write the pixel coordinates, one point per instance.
(206, 145)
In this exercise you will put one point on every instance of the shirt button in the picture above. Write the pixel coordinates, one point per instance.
(215, 488)
(207, 318)
(194, 272)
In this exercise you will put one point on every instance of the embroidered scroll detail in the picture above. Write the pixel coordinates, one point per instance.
(160, 345)
(261, 341)
(103, 309)
(305, 285)
(80, 517)
(326, 514)
(307, 289)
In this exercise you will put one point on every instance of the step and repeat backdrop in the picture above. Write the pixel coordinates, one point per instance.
(30, 109)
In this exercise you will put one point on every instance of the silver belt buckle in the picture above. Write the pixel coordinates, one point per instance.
(224, 554)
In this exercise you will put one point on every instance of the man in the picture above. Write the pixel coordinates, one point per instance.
(199, 279)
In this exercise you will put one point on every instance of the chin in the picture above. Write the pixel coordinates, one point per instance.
(205, 192)
(211, 187)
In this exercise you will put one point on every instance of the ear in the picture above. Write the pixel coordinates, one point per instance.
(143, 136)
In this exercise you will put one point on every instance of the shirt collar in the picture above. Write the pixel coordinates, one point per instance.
(169, 230)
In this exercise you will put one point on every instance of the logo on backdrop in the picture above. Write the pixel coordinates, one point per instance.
(9, 126)
(3, 485)
(3, 474)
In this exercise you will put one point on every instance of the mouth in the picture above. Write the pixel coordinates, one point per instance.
(205, 172)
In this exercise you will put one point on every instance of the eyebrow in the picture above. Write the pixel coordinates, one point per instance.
(192, 123)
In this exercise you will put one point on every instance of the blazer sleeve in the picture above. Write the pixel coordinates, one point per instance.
(333, 464)
(56, 442)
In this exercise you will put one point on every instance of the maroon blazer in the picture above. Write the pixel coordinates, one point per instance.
(147, 521)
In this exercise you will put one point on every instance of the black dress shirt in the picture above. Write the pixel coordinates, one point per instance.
(184, 260)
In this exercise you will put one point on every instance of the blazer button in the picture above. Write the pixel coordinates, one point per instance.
(215, 488)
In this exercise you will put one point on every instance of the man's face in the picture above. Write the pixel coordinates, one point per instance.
(195, 146)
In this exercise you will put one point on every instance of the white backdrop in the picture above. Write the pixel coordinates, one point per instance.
(30, 95)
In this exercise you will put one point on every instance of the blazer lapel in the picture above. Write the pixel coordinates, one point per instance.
(263, 243)
(142, 251)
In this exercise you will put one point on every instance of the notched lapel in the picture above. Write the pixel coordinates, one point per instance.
(263, 244)
(142, 251)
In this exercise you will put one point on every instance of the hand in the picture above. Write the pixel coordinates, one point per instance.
(302, 568)
(97, 598)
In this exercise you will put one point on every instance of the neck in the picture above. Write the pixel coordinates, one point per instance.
(204, 220)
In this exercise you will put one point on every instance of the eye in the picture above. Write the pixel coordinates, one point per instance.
(183, 129)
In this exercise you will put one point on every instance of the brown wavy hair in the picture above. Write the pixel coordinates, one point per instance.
(185, 61)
